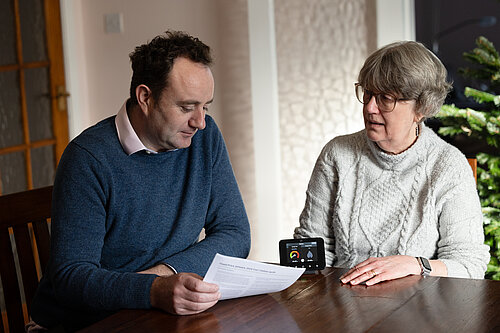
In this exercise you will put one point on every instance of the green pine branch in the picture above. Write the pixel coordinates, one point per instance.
(481, 96)
(477, 124)
(486, 55)
(482, 125)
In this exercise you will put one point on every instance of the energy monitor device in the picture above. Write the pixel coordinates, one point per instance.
(306, 252)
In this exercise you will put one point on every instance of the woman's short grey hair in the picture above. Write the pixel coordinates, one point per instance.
(409, 71)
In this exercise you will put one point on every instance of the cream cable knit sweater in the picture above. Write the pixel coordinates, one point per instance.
(422, 202)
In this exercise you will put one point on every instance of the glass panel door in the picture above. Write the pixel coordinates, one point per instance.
(33, 131)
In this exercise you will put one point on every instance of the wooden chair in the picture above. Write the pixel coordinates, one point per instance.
(24, 219)
(473, 165)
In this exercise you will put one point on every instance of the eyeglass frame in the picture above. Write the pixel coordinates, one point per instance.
(377, 98)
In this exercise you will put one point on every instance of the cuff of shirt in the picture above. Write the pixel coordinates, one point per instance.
(169, 266)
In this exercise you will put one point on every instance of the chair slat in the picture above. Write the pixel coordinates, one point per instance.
(23, 207)
(2, 330)
(42, 236)
(473, 165)
(26, 262)
(10, 284)
(16, 211)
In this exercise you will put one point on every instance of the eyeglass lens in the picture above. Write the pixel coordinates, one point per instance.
(384, 102)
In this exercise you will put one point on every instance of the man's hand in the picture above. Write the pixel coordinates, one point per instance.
(183, 294)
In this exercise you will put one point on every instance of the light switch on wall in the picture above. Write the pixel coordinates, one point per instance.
(113, 23)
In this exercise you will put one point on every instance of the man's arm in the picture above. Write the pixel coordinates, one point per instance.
(78, 231)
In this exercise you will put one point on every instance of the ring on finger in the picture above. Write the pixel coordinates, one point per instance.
(373, 273)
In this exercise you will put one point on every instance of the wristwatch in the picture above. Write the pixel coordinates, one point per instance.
(425, 266)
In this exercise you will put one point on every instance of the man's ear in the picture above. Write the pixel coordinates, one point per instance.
(144, 97)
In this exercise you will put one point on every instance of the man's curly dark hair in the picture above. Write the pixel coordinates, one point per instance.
(152, 62)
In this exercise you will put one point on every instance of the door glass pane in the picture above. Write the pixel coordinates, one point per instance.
(8, 35)
(32, 19)
(13, 172)
(38, 103)
(11, 123)
(43, 166)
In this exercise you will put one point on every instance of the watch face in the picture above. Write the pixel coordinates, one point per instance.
(426, 264)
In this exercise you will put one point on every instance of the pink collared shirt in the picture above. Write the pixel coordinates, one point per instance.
(126, 134)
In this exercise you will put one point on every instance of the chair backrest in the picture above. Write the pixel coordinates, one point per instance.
(24, 250)
(473, 165)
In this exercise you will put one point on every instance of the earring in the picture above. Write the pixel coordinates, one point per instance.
(417, 130)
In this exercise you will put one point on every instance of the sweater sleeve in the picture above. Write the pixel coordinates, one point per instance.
(461, 245)
(317, 216)
(227, 230)
(78, 232)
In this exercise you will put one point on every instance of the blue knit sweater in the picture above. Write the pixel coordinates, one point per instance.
(115, 214)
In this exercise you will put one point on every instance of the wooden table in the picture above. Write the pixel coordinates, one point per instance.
(320, 303)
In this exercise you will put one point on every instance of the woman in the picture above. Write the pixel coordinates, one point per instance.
(394, 199)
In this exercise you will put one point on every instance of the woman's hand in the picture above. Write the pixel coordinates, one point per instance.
(375, 270)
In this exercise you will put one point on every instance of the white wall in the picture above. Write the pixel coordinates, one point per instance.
(395, 21)
(99, 62)
(266, 129)
(319, 45)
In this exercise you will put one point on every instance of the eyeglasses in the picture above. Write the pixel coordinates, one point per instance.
(385, 102)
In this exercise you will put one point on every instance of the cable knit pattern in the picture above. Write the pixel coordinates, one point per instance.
(422, 202)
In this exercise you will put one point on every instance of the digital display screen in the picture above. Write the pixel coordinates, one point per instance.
(306, 252)
(302, 252)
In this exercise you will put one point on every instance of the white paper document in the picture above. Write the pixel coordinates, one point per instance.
(238, 277)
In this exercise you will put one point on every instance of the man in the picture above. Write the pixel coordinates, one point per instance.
(133, 193)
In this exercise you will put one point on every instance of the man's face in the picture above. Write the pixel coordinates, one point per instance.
(180, 111)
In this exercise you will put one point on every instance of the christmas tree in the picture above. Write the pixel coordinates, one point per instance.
(482, 126)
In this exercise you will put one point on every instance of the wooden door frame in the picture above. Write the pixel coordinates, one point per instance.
(75, 64)
(53, 37)
(57, 74)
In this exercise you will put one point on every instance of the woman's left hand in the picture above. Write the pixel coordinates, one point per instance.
(375, 270)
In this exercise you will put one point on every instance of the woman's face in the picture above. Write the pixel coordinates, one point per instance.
(393, 131)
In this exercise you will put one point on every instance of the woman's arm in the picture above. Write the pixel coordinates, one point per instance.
(317, 215)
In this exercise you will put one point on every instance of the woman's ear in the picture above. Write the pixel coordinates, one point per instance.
(418, 117)
(144, 97)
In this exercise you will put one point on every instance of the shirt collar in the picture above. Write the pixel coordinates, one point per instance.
(128, 138)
